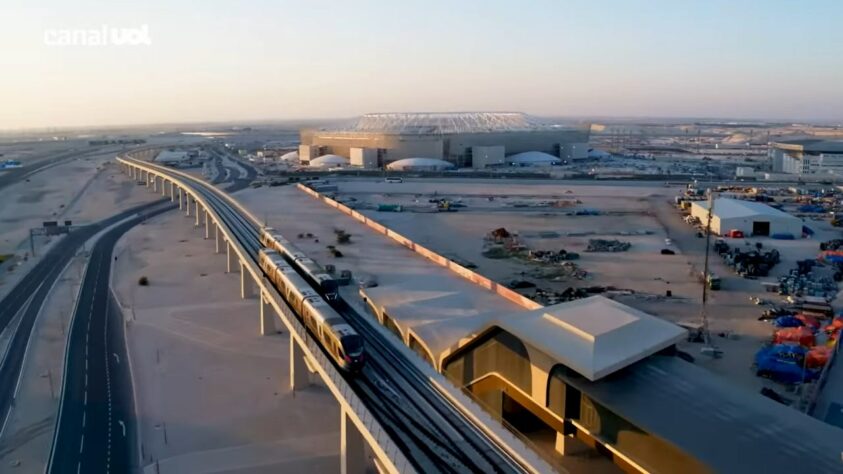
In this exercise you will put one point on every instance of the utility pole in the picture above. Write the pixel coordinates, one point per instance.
(708, 347)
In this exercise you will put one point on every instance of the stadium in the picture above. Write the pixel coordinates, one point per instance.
(466, 139)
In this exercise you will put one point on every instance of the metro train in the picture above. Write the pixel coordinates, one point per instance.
(340, 340)
(316, 275)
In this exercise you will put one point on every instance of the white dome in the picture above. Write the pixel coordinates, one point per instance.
(291, 156)
(533, 158)
(328, 161)
(419, 164)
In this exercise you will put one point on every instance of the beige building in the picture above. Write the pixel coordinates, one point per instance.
(452, 137)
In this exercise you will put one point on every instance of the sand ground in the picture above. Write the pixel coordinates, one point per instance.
(83, 191)
(212, 394)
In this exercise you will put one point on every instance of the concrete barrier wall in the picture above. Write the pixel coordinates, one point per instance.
(434, 257)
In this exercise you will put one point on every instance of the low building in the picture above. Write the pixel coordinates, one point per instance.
(807, 156)
(749, 217)
(745, 172)
(172, 157)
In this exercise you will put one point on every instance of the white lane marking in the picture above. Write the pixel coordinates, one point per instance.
(117, 357)
(107, 386)
(78, 467)
(84, 418)
(122, 425)
(81, 443)
(5, 420)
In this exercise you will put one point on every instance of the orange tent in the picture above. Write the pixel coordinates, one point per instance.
(817, 357)
(800, 335)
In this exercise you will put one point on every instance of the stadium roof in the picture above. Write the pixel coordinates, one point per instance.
(734, 208)
(447, 123)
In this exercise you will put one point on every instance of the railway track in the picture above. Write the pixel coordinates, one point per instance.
(434, 434)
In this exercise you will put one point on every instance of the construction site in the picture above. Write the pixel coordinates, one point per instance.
(635, 243)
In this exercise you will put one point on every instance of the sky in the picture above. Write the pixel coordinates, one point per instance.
(245, 60)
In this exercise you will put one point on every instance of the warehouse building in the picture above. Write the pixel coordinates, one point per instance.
(751, 218)
(807, 156)
(473, 139)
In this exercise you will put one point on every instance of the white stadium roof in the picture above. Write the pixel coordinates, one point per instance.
(328, 161)
(447, 123)
(726, 208)
(420, 164)
(532, 158)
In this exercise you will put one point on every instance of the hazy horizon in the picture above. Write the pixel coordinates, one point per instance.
(255, 61)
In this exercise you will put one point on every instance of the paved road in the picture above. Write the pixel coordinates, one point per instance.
(28, 296)
(95, 429)
(17, 174)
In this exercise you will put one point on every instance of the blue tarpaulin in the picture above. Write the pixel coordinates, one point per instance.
(788, 322)
(784, 363)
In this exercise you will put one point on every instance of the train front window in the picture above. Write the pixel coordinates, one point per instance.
(352, 345)
(329, 287)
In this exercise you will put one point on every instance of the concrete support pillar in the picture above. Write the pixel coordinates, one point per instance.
(231, 258)
(246, 283)
(196, 213)
(207, 226)
(267, 316)
(163, 187)
(187, 204)
(172, 191)
(298, 367)
(147, 178)
(352, 446)
(217, 237)
(181, 200)
(154, 184)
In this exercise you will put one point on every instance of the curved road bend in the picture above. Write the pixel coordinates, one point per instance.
(29, 294)
(95, 427)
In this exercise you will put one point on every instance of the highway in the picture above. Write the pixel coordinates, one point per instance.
(14, 175)
(95, 427)
(431, 432)
(26, 298)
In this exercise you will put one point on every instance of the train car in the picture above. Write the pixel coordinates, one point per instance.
(315, 274)
(340, 340)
